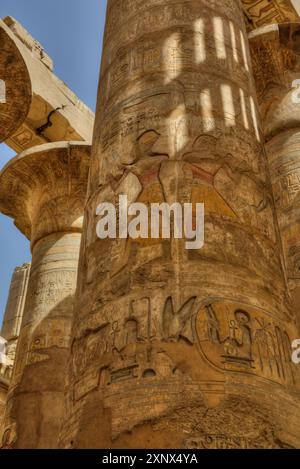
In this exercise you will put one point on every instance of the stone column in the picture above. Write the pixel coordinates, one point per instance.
(276, 58)
(44, 190)
(5, 375)
(174, 347)
(15, 307)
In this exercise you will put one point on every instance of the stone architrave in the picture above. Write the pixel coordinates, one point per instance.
(15, 86)
(174, 347)
(40, 107)
(43, 190)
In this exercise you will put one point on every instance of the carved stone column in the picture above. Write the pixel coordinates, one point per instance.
(175, 347)
(276, 58)
(44, 190)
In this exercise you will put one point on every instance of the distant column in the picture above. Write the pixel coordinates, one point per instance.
(15, 307)
(44, 190)
(5, 376)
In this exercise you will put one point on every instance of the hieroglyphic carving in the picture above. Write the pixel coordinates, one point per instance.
(177, 324)
(14, 106)
(9, 437)
(241, 338)
(177, 122)
(275, 53)
(124, 348)
(261, 12)
(50, 288)
(44, 191)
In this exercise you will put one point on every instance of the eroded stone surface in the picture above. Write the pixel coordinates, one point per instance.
(175, 348)
(261, 12)
(15, 304)
(6, 364)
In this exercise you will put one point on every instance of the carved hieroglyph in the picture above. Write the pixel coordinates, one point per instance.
(168, 345)
(261, 12)
(40, 108)
(276, 59)
(44, 191)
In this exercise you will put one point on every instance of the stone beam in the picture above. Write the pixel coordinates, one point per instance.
(276, 64)
(174, 347)
(53, 112)
(15, 85)
(43, 190)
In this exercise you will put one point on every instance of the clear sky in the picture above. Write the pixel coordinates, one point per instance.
(71, 33)
(296, 4)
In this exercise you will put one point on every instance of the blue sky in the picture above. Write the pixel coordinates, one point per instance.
(71, 33)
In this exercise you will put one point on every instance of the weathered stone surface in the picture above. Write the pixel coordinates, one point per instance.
(261, 12)
(51, 112)
(44, 190)
(15, 304)
(177, 348)
(5, 375)
(276, 58)
(11, 329)
(15, 85)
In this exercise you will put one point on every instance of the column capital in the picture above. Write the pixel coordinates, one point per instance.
(15, 85)
(44, 188)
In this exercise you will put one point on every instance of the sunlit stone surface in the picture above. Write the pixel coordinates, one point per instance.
(176, 348)
(276, 58)
(43, 190)
(170, 347)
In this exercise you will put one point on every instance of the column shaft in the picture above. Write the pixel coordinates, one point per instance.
(170, 344)
(36, 396)
(44, 190)
(276, 58)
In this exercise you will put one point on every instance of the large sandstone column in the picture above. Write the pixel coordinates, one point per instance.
(178, 348)
(276, 58)
(44, 190)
